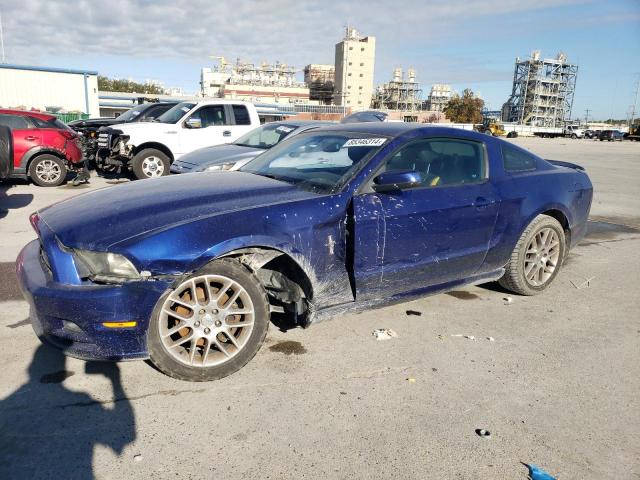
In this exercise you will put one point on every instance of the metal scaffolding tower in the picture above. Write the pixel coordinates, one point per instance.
(542, 93)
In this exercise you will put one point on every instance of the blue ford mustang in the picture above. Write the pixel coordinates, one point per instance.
(189, 270)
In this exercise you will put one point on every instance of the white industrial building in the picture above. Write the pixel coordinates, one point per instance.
(50, 89)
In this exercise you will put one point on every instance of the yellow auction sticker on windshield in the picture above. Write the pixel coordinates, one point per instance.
(364, 142)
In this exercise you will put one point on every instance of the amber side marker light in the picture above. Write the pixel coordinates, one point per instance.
(119, 324)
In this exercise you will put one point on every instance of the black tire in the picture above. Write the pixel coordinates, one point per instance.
(6, 157)
(167, 364)
(41, 167)
(512, 135)
(161, 162)
(514, 276)
(574, 136)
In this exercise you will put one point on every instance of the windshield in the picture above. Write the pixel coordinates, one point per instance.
(131, 114)
(319, 163)
(266, 136)
(174, 114)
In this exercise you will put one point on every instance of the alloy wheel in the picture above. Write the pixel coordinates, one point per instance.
(152, 166)
(541, 257)
(206, 320)
(48, 171)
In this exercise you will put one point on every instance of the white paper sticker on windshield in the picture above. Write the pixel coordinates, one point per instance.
(283, 129)
(364, 142)
(185, 109)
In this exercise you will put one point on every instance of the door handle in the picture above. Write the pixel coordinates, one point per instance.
(30, 138)
(226, 133)
(482, 202)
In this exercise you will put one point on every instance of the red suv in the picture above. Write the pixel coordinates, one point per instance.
(38, 146)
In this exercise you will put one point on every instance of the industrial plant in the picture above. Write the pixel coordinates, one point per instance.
(270, 83)
(542, 93)
(400, 93)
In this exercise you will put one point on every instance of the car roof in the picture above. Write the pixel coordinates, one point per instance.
(218, 101)
(22, 113)
(391, 129)
(302, 123)
(396, 129)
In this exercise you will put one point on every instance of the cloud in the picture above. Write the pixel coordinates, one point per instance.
(294, 32)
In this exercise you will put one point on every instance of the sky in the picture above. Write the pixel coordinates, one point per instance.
(466, 43)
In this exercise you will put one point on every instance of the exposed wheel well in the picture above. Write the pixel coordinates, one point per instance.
(288, 286)
(562, 220)
(158, 146)
(45, 152)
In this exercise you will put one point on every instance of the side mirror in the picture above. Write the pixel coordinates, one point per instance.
(193, 123)
(397, 180)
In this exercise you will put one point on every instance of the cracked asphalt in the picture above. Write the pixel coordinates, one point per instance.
(557, 387)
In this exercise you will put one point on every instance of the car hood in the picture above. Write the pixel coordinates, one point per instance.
(219, 154)
(100, 219)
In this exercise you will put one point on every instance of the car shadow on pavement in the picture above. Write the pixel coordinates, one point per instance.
(49, 431)
(8, 202)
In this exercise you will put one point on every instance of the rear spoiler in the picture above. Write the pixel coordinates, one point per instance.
(559, 163)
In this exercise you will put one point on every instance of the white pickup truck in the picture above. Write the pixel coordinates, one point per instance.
(149, 148)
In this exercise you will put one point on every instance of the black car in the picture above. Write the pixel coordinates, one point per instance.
(88, 129)
(611, 135)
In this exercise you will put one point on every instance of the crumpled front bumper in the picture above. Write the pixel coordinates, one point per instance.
(70, 317)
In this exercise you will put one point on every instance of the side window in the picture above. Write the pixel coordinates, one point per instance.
(14, 122)
(442, 161)
(210, 115)
(515, 160)
(241, 114)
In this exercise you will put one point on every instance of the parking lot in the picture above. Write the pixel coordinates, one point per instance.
(554, 378)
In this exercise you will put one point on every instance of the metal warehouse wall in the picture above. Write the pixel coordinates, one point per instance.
(34, 88)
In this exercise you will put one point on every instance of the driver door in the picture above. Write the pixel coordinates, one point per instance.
(207, 126)
(434, 233)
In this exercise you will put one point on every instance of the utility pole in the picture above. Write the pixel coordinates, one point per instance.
(586, 116)
(635, 102)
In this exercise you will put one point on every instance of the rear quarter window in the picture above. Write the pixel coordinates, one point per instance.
(516, 160)
(241, 115)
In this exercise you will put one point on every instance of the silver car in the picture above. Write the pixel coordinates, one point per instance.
(232, 156)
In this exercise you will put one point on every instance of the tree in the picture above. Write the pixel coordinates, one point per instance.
(464, 109)
(122, 85)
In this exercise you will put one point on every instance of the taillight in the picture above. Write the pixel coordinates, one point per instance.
(34, 218)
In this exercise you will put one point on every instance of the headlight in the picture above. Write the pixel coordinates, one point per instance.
(226, 166)
(104, 264)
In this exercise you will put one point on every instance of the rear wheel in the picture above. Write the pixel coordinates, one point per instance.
(150, 163)
(211, 324)
(537, 257)
(574, 136)
(47, 171)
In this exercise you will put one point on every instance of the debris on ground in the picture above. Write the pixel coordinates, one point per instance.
(137, 458)
(411, 380)
(536, 473)
(491, 339)
(468, 337)
(481, 432)
(508, 300)
(384, 334)
(585, 284)
(414, 312)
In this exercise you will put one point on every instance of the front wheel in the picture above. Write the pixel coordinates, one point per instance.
(47, 171)
(537, 257)
(150, 163)
(211, 324)
(574, 136)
